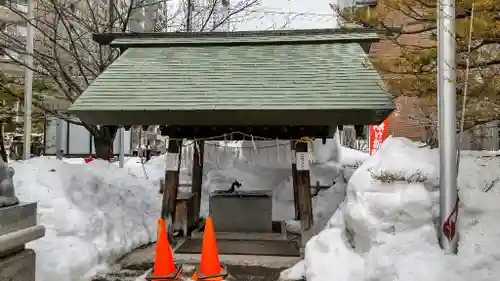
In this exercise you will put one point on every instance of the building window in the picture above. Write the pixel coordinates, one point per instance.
(17, 2)
(366, 3)
(21, 5)
(21, 31)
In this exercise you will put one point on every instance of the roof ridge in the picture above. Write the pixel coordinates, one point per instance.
(108, 38)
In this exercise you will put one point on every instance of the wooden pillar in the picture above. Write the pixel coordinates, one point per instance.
(304, 187)
(171, 182)
(294, 182)
(197, 177)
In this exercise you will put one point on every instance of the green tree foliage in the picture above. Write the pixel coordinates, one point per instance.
(411, 69)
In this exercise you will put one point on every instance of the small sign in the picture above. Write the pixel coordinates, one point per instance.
(173, 162)
(302, 161)
(378, 134)
(293, 158)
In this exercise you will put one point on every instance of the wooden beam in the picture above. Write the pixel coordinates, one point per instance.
(304, 187)
(271, 132)
(294, 182)
(197, 177)
(171, 184)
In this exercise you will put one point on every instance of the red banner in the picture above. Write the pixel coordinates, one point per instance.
(378, 134)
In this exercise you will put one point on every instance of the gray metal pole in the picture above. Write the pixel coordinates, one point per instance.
(440, 73)
(189, 22)
(440, 76)
(121, 156)
(59, 138)
(28, 81)
(448, 205)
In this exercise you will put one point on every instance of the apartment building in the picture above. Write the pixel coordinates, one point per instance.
(12, 24)
(91, 16)
(204, 15)
(149, 17)
(143, 18)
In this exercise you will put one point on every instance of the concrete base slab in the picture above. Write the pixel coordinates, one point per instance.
(236, 273)
(145, 256)
(243, 267)
(19, 266)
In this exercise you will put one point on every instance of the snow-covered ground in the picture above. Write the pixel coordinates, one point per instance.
(93, 214)
(385, 229)
(97, 212)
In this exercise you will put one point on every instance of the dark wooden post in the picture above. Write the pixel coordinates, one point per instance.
(197, 177)
(304, 186)
(171, 183)
(294, 182)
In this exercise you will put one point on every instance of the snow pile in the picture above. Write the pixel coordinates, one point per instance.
(94, 213)
(385, 229)
(388, 194)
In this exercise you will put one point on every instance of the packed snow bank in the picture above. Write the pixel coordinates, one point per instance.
(94, 213)
(385, 229)
(389, 194)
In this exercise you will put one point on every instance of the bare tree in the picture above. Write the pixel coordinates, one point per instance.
(208, 15)
(67, 60)
(11, 93)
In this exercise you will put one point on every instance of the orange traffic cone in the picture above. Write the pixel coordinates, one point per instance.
(164, 268)
(210, 267)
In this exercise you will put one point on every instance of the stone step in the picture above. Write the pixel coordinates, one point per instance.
(20, 216)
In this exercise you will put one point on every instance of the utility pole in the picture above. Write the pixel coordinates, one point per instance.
(448, 193)
(121, 138)
(59, 138)
(121, 129)
(189, 23)
(111, 14)
(28, 80)
(226, 11)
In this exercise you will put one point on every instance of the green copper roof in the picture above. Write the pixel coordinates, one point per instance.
(289, 79)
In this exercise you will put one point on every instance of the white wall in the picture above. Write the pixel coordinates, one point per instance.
(80, 141)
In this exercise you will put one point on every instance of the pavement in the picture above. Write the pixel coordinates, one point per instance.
(240, 267)
(254, 273)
